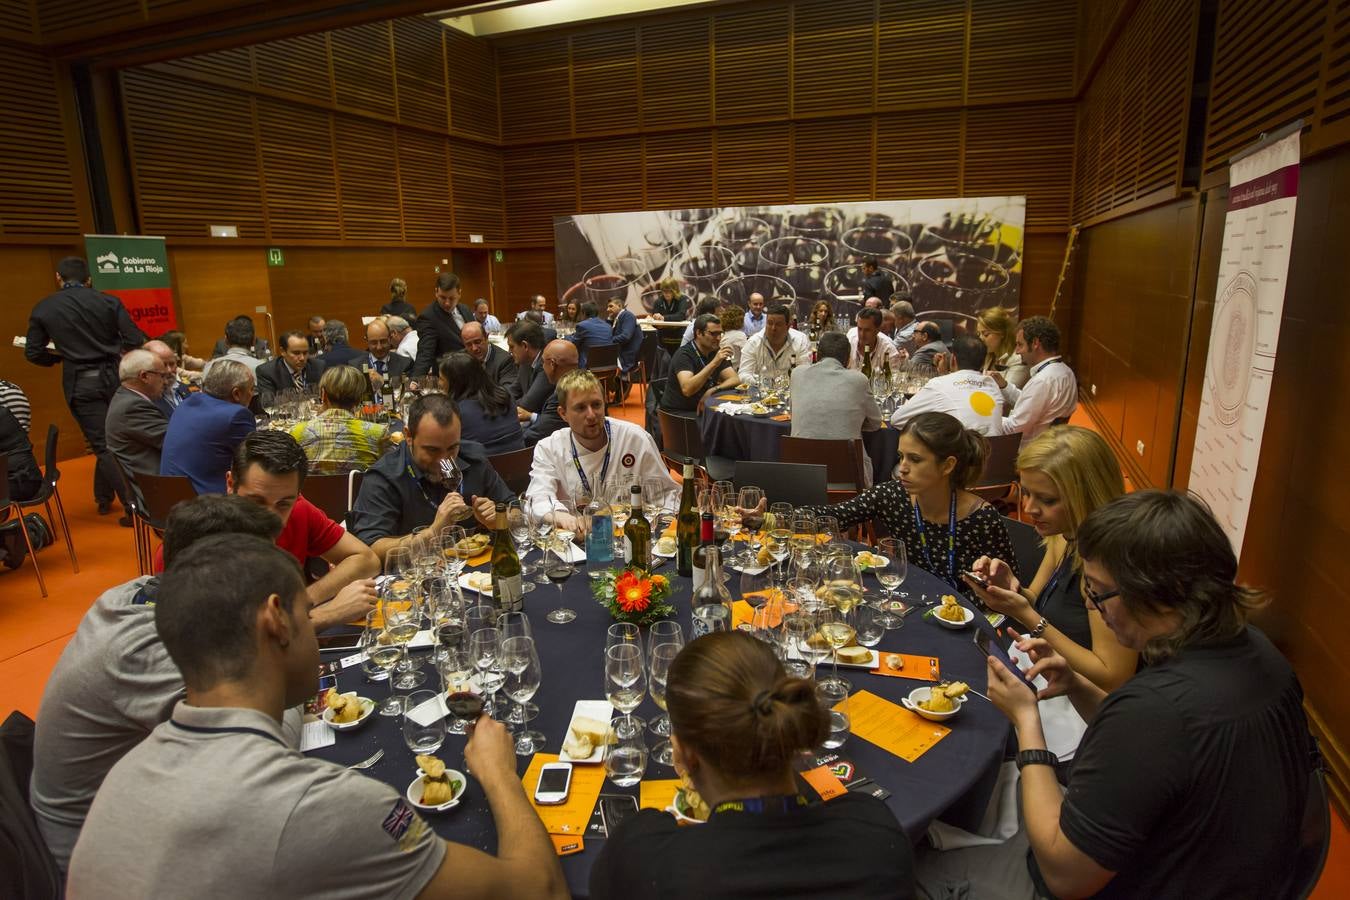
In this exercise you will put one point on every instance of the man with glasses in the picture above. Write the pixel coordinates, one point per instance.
(700, 366)
(381, 363)
(175, 392)
(136, 424)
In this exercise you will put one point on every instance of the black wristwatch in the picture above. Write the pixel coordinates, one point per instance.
(1036, 758)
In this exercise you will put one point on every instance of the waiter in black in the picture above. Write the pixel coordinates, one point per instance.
(91, 331)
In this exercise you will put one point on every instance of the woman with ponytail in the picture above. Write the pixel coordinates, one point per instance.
(945, 528)
(398, 304)
(738, 721)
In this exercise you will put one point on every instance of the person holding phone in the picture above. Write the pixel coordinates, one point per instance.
(1065, 473)
(1193, 776)
(737, 722)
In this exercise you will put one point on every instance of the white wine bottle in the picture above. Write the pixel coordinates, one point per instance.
(507, 585)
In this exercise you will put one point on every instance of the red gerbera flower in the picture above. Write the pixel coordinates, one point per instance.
(632, 593)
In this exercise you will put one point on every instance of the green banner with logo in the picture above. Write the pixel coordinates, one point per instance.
(136, 271)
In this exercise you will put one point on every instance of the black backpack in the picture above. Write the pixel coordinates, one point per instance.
(26, 865)
(12, 548)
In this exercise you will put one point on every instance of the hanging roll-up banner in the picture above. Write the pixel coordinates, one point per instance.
(135, 270)
(1248, 304)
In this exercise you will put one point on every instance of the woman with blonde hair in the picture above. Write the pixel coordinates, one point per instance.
(820, 319)
(1066, 472)
(672, 305)
(997, 328)
(335, 440)
(398, 304)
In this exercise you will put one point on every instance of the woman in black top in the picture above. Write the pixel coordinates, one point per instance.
(1066, 472)
(939, 459)
(1192, 778)
(486, 414)
(737, 722)
(398, 304)
(820, 319)
(569, 313)
(671, 305)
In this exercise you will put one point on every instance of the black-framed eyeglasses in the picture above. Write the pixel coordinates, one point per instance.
(1097, 599)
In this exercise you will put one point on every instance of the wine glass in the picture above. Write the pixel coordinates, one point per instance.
(620, 501)
(868, 625)
(799, 631)
(539, 514)
(626, 761)
(834, 699)
(890, 577)
(401, 624)
(622, 633)
(519, 526)
(782, 514)
(384, 656)
(783, 541)
(748, 501)
(456, 670)
(625, 679)
(485, 651)
(515, 624)
(447, 625)
(842, 597)
(663, 634)
(520, 659)
(829, 526)
(558, 568)
(480, 616)
(423, 738)
(654, 493)
(724, 504)
(662, 656)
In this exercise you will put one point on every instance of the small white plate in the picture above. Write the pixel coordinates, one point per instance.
(872, 663)
(478, 582)
(414, 792)
(879, 562)
(674, 810)
(955, 626)
(367, 707)
(911, 703)
(656, 551)
(601, 711)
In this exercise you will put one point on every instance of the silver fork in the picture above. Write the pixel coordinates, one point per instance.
(367, 763)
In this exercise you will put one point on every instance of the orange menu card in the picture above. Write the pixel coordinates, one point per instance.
(892, 728)
(567, 818)
(920, 668)
(658, 794)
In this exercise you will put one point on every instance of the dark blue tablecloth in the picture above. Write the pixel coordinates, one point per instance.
(954, 779)
(756, 437)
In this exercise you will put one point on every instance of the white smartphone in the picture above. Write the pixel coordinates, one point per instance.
(555, 780)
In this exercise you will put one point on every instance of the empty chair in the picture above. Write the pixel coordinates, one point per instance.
(801, 484)
(1000, 470)
(1027, 549)
(158, 494)
(11, 508)
(49, 492)
(842, 458)
(514, 468)
(682, 443)
(603, 363)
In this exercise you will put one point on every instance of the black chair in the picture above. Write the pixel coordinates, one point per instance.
(514, 468)
(603, 363)
(1027, 549)
(682, 444)
(26, 865)
(800, 484)
(842, 458)
(49, 492)
(1000, 470)
(645, 366)
(11, 508)
(158, 494)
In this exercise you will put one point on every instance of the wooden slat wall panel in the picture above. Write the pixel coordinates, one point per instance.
(534, 83)
(476, 182)
(1027, 151)
(62, 15)
(922, 49)
(234, 66)
(679, 170)
(1021, 48)
(610, 174)
(830, 160)
(542, 185)
(363, 68)
(424, 177)
(1336, 66)
(752, 63)
(1095, 18)
(605, 80)
(1266, 68)
(16, 19)
(919, 154)
(471, 66)
(833, 54)
(195, 157)
(297, 66)
(676, 76)
(301, 189)
(1166, 110)
(37, 191)
(754, 164)
(423, 91)
(368, 186)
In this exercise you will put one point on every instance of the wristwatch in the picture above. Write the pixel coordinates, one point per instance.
(1036, 758)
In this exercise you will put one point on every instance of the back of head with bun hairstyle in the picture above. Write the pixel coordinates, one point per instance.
(731, 702)
(945, 436)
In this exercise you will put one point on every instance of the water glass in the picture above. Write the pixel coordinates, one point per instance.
(622, 633)
(626, 761)
(834, 699)
(625, 677)
(422, 738)
(520, 659)
(662, 656)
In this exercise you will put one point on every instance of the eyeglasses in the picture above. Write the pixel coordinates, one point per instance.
(1097, 599)
(162, 374)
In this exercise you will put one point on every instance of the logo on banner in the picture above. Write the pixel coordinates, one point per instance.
(109, 264)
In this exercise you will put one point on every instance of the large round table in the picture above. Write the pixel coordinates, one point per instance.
(953, 779)
(745, 436)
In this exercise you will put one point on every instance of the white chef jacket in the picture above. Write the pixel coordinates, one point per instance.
(631, 452)
(883, 351)
(970, 396)
(758, 358)
(1050, 393)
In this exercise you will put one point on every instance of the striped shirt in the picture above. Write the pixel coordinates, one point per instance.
(337, 442)
(15, 400)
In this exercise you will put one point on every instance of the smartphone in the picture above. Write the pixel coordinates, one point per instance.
(614, 808)
(978, 579)
(990, 647)
(554, 782)
(315, 705)
(329, 642)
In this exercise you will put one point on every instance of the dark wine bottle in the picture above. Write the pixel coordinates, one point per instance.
(686, 526)
(507, 586)
(639, 533)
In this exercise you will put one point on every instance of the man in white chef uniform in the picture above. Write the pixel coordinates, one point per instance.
(593, 450)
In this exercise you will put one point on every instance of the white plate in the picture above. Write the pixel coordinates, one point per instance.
(466, 584)
(414, 792)
(911, 703)
(601, 711)
(872, 663)
(954, 626)
(883, 562)
(674, 551)
(750, 570)
(674, 810)
(367, 707)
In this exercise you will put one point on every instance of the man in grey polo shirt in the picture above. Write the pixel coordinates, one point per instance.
(115, 682)
(215, 804)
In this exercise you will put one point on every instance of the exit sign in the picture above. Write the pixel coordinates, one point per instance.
(275, 257)
(499, 256)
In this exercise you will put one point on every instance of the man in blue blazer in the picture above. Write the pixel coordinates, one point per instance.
(592, 331)
(627, 334)
(340, 352)
(207, 427)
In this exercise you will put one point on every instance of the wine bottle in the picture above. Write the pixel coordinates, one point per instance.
(639, 533)
(707, 538)
(711, 602)
(507, 586)
(686, 526)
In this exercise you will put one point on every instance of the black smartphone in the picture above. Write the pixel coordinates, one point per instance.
(614, 808)
(978, 579)
(329, 642)
(990, 647)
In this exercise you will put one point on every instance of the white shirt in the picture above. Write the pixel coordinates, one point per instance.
(548, 316)
(1051, 393)
(970, 396)
(238, 354)
(758, 358)
(408, 346)
(631, 452)
(883, 351)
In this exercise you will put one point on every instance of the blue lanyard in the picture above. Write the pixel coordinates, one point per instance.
(1053, 582)
(417, 479)
(604, 467)
(951, 540)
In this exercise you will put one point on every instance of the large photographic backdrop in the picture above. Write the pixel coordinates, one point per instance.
(951, 256)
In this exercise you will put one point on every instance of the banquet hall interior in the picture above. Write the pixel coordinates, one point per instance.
(296, 157)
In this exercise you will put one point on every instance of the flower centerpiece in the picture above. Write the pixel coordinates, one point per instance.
(633, 595)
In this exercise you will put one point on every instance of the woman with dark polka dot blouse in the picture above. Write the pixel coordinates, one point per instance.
(939, 459)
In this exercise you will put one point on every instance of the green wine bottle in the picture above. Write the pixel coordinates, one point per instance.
(507, 586)
(686, 526)
(639, 533)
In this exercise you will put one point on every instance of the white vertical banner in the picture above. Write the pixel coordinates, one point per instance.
(1248, 304)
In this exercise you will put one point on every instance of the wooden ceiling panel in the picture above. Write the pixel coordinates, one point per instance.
(834, 55)
(297, 66)
(542, 185)
(676, 72)
(605, 80)
(679, 169)
(921, 47)
(751, 63)
(610, 174)
(476, 186)
(1021, 48)
(753, 164)
(300, 180)
(37, 193)
(419, 70)
(919, 154)
(424, 179)
(368, 182)
(363, 68)
(831, 160)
